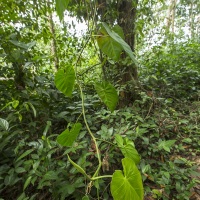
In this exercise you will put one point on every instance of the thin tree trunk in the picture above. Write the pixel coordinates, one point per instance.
(191, 21)
(53, 35)
(171, 16)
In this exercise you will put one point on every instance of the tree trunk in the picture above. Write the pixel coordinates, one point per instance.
(171, 16)
(53, 36)
(126, 19)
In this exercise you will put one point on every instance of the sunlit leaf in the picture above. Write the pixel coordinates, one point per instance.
(15, 103)
(67, 137)
(4, 124)
(127, 185)
(65, 79)
(108, 94)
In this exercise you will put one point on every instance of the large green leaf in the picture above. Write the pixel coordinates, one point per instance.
(65, 79)
(4, 124)
(67, 137)
(61, 6)
(108, 94)
(115, 36)
(128, 149)
(127, 185)
(108, 45)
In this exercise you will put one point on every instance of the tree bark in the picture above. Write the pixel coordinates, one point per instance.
(127, 18)
(53, 35)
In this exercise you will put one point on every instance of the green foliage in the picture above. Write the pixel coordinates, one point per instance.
(112, 43)
(108, 45)
(127, 185)
(128, 148)
(64, 80)
(108, 94)
(61, 6)
(157, 135)
(67, 137)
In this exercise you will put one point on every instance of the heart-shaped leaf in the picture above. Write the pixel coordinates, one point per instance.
(67, 137)
(115, 36)
(127, 185)
(65, 79)
(108, 94)
(108, 45)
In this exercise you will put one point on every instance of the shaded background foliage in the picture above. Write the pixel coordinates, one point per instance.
(162, 117)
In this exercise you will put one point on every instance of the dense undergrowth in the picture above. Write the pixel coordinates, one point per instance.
(163, 121)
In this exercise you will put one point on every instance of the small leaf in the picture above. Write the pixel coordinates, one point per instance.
(65, 79)
(20, 170)
(4, 124)
(166, 145)
(119, 140)
(67, 137)
(50, 175)
(86, 197)
(25, 154)
(79, 168)
(15, 103)
(47, 128)
(127, 185)
(61, 6)
(108, 94)
(32, 107)
(27, 182)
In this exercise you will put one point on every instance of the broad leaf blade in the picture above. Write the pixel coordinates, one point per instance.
(127, 148)
(127, 185)
(67, 137)
(108, 94)
(65, 79)
(109, 46)
(61, 6)
(119, 40)
(130, 152)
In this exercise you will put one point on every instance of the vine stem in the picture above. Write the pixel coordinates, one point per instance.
(84, 116)
(98, 177)
(91, 134)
